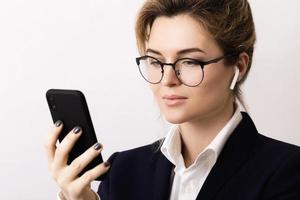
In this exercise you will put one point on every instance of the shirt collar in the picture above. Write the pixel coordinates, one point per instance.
(171, 147)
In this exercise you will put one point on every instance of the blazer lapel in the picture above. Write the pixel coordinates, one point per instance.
(161, 177)
(233, 156)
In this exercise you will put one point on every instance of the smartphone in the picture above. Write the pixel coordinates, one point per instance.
(71, 108)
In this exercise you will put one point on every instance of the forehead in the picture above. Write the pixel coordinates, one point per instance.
(171, 34)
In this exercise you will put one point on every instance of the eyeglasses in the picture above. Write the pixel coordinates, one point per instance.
(189, 71)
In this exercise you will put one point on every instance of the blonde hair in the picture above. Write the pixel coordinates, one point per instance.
(230, 22)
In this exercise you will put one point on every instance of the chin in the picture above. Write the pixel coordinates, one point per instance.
(180, 116)
(175, 115)
(175, 119)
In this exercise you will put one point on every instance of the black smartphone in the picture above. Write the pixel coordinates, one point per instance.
(71, 108)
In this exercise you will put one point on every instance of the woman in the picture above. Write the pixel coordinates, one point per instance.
(195, 54)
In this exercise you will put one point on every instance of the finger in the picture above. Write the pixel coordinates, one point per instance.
(66, 145)
(92, 174)
(83, 160)
(51, 139)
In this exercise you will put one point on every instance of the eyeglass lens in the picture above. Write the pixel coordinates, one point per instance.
(187, 70)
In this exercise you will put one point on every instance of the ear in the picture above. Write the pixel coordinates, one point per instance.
(242, 65)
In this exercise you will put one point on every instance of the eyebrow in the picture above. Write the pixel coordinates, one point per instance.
(183, 51)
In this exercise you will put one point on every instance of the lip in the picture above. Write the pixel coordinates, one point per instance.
(173, 97)
(174, 100)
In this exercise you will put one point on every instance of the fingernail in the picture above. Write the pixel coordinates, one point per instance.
(97, 146)
(106, 164)
(58, 123)
(76, 129)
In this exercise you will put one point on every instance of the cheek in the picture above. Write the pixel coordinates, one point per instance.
(214, 89)
(155, 90)
(216, 80)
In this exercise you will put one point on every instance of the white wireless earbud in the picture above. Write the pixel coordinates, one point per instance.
(235, 78)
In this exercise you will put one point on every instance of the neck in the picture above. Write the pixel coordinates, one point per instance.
(196, 135)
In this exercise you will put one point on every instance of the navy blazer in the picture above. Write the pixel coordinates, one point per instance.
(250, 166)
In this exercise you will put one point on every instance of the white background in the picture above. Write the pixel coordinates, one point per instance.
(90, 45)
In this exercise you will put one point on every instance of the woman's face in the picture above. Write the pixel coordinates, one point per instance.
(168, 37)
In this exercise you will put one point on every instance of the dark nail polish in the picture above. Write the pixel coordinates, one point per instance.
(77, 129)
(97, 146)
(58, 123)
(106, 164)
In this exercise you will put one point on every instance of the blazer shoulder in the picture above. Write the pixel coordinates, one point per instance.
(145, 149)
(283, 161)
(141, 153)
(276, 154)
(272, 146)
(135, 158)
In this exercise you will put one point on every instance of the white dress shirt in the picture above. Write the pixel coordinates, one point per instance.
(187, 182)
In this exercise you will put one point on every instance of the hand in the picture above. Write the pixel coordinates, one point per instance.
(66, 176)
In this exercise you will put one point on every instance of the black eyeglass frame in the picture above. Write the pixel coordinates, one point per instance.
(202, 64)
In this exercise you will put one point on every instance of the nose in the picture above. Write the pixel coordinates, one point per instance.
(169, 77)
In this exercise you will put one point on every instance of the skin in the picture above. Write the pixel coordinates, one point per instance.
(65, 176)
(210, 105)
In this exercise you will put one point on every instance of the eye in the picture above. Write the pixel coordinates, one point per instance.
(153, 62)
(189, 63)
